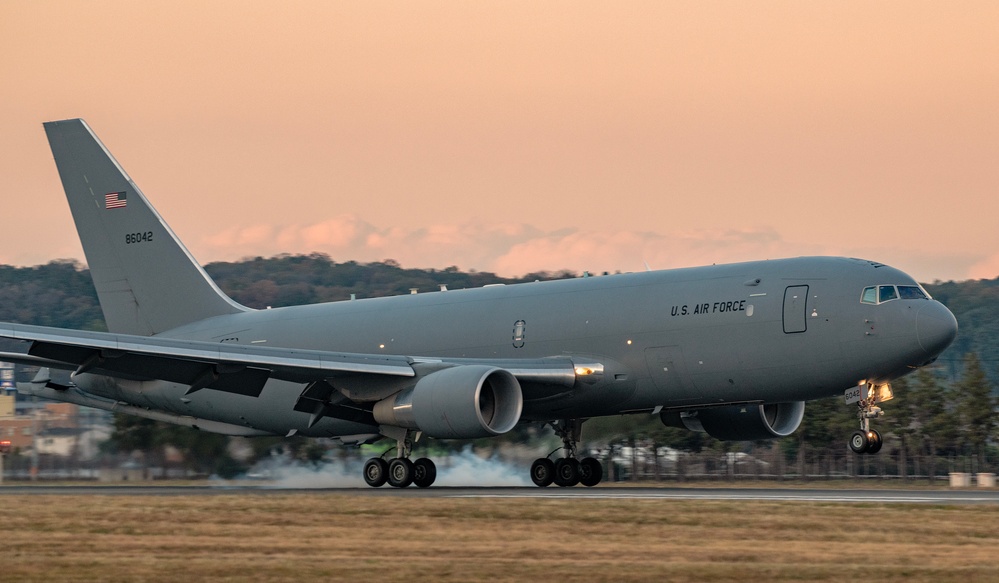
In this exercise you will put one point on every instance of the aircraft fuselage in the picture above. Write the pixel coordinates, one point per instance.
(767, 331)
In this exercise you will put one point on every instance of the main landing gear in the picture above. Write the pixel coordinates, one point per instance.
(868, 440)
(400, 472)
(567, 470)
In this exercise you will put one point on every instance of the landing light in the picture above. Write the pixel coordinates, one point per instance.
(583, 370)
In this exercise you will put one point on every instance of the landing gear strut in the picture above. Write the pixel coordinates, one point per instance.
(868, 440)
(400, 472)
(567, 470)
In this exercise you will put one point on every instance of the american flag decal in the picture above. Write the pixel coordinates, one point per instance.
(114, 200)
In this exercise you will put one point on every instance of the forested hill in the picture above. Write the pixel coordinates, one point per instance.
(61, 294)
(288, 280)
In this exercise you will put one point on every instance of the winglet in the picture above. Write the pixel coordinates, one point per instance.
(146, 280)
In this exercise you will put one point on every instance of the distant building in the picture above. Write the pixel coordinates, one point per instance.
(7, 405)
(18, 430)
(59, 441)
(19, 421)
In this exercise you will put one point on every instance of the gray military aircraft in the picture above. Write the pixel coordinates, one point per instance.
(733, 350)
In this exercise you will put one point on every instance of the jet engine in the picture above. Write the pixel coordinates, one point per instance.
(462, 402)
(740, 422)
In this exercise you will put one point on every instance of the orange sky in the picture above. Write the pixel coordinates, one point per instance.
(517, 136)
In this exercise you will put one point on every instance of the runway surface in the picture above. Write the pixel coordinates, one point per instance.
(846, 496)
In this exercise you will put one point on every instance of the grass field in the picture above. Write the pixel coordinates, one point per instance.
(332, 537)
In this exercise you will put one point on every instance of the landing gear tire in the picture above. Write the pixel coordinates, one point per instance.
(424, 472)
(859, 442)
(400, 473)
(868, 440)
(543, 472)
(590, 472)
(375, 472)
(567, 472)
(874, 445)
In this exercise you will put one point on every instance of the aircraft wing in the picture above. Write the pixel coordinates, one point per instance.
(234, 368)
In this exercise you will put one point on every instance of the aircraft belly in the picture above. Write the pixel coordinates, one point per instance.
(99, 385)
(583, 400)
(273, 410)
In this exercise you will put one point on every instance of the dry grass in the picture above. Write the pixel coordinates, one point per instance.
(331, 537)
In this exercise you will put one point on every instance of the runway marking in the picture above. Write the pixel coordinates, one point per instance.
(602, 493)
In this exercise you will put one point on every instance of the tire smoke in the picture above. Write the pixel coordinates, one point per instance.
(461, 469)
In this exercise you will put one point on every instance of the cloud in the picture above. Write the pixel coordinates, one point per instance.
(336, 233)
(242, 236)
(505, 248)
(598, 251)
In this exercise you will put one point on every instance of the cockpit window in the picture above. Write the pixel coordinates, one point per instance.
(911, 292)
(887, 293)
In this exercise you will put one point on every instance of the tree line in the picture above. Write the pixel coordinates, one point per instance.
(943, 417)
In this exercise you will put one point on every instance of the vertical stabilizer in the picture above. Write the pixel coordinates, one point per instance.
(146, 280)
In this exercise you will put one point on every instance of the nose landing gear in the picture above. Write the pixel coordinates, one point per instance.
(868, 440)
(568, 470)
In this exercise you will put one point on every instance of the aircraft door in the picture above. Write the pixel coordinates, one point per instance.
(795, 298)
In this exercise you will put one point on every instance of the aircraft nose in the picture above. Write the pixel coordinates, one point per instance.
(936, 327)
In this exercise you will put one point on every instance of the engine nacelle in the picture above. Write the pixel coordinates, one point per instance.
(462, 402)
(740, 422)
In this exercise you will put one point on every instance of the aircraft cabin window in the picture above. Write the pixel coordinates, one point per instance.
(911, 292)
(870, 295)
(887, 293)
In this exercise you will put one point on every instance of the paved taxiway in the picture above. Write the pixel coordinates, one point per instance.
(608, 492)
